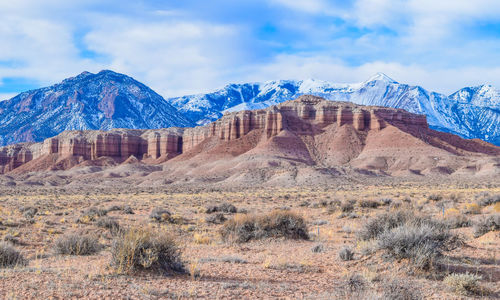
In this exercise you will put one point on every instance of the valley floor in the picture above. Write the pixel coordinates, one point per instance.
(267, 268)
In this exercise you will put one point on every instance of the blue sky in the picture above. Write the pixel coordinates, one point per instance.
(183, 47)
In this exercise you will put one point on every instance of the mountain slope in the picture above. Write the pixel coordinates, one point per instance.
(102, 101)
(470, 112)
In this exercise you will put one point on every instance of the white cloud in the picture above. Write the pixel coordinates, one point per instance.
(36, 46)
(173, 57)
(309, 6)
(177, 52)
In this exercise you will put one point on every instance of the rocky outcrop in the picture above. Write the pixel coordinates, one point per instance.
(305, 115)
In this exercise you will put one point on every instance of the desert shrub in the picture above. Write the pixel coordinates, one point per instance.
(435, 197)
(96, 212)
(319, 222)
(395, 204)
(472, 208)
(11, 239)
(127, 210)
(458, 221)
(386, 201)
(398, 289)
(91, 214)
(76, 244)
(29, 212)
(304, 204)
(318, 248)
(159, 214)
(454, 197)
(202, 239)
(10, 257)
(463, 284)
(421, 243)
(109, 223)
(224, 207)
(485, 225)
(114, 208)
(141, 249)
(383, 222)
(217, 218)
(243, 228)
(404, 235)
(486, 199)
(366, 203)
(346, 253)
(347, 206)
(354, 286)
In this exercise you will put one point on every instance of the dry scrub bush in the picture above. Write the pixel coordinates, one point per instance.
(217, 218)
(398, 289)
(463, 284)
(224, 207)
(346, 254)
(347, 206)
(365, 203)
(485, 225)
(142, 249)
(457, 221)
(111, 224)
(485, 199)
(354, 286)
(76, 244)
(243, 228)
(404, 235)
(91, 214)
(472, 208)
(159, 214)
(29, 212)
(201, 239)
(435, 197)
(10, 257)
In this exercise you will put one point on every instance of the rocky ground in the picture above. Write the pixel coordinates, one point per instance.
(33, 218)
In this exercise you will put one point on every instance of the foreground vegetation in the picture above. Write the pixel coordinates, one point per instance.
(350, 242)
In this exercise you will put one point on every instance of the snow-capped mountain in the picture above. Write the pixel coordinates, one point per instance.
(472, 112)
(104, 101)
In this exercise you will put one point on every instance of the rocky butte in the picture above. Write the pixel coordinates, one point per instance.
(308, 131)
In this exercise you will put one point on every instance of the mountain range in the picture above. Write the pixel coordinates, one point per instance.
(88, 101)
(109, 100)
(308, 140)
(471, 112)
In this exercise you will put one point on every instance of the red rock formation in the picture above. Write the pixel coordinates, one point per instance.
(307, 115)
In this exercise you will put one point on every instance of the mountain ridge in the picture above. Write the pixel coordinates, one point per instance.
(107, 100)
(311, 136)
(104, 100)
(472, 112)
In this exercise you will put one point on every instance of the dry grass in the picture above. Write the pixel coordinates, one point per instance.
(10, 257)
(243, 228)
(142, 249)
(77, 244)
(463, 284)
(270, 263)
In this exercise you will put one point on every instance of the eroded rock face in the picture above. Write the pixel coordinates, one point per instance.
(305, 115)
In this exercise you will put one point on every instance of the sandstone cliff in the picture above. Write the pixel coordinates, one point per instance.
(307, 116)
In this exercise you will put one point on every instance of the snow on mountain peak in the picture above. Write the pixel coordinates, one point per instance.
(470, 112)
(381, 77)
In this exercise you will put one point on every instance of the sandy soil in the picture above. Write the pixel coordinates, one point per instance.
(270, 268)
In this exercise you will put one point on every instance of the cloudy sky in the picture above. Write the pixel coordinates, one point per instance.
(183, 47)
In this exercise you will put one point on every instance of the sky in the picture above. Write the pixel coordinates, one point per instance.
(185, 47)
